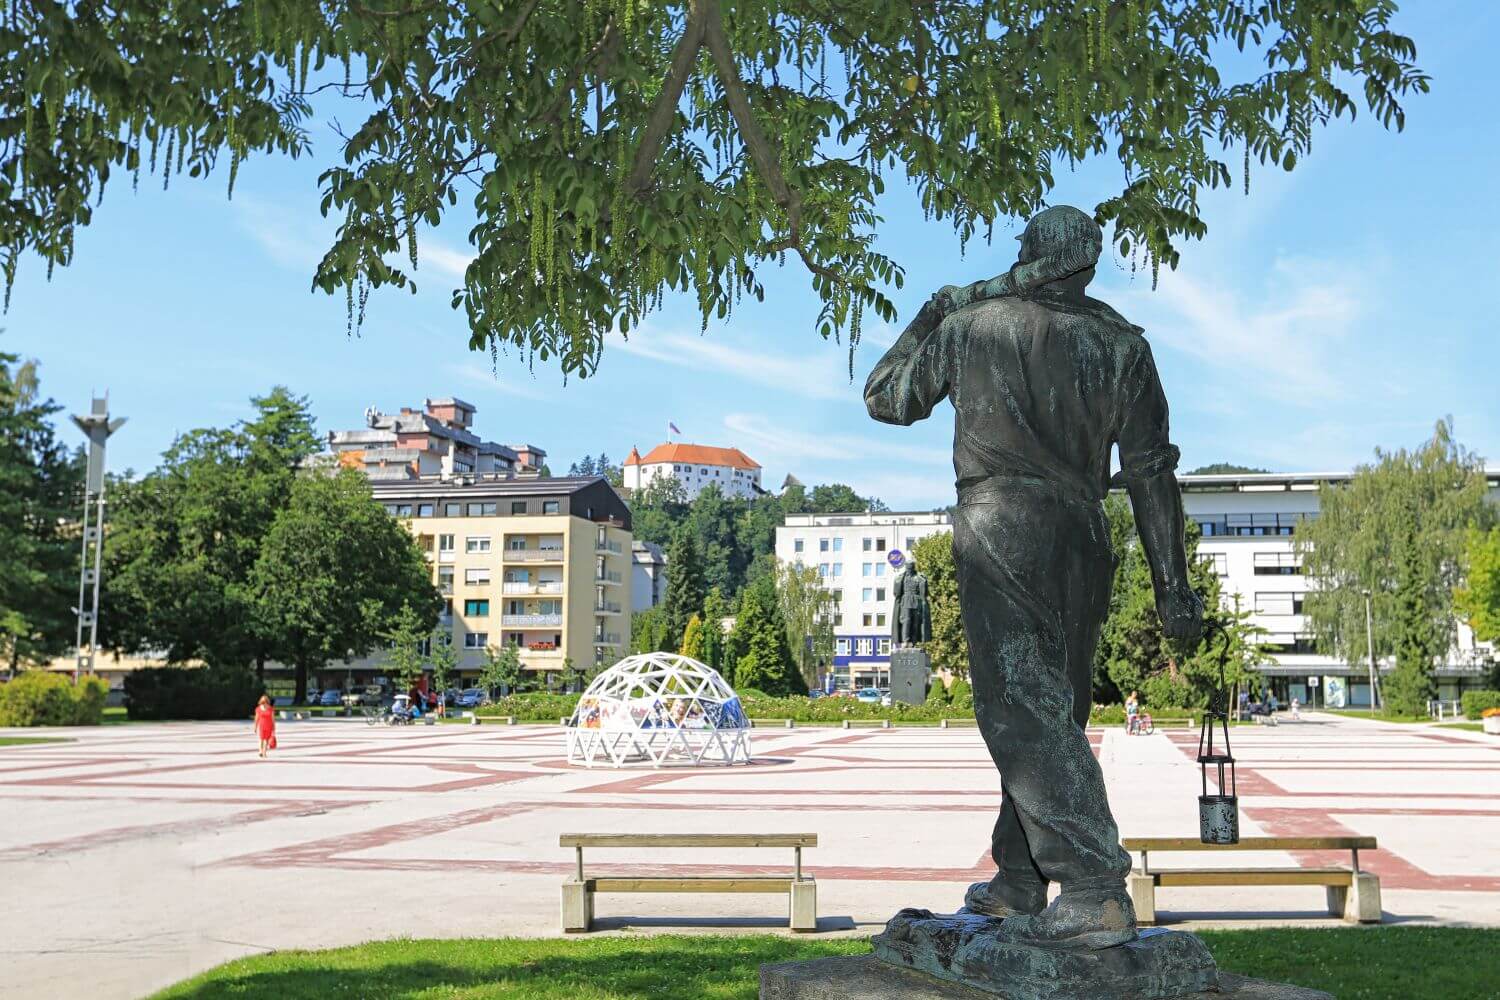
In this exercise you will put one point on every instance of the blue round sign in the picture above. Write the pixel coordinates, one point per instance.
(895, 558)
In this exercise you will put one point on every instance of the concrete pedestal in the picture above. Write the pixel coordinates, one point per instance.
(910, 670)
(865, 977)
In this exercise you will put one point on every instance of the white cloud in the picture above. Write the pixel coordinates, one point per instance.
(444, 259)
(514, 385)
(820, 373)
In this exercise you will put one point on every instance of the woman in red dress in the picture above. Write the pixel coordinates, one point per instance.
(265, 725)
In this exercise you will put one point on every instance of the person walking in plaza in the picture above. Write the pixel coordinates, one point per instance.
(265, 725)
(1132, 713)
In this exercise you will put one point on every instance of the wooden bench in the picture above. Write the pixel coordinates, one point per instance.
(578, 891)
(1351, 893)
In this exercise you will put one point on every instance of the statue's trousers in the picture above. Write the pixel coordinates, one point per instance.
(1035, 569)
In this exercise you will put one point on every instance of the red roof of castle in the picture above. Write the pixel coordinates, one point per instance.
(693, 454)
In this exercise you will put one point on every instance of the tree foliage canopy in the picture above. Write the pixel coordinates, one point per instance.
(948, 648)
(613, 150)
(1479, 597)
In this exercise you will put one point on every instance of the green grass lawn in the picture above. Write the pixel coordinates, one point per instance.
(21, 741)
(1378, 963)
(1473, 727)
(1380, 716)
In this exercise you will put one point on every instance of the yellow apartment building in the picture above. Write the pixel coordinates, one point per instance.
(540, 563)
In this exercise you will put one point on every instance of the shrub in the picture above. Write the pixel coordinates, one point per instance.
(937, 693)
(961, 695)
(42, 698)
(190, 693)
(534, 707)
(1475, 702)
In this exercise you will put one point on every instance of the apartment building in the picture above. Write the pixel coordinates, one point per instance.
(543, 564)
(695, 466)
(852, 554)
(1249, 524)
(437, 440)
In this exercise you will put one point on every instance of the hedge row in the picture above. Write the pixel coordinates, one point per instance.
(550, 707)
(1475, 702)
(42, 698)
(158, 693)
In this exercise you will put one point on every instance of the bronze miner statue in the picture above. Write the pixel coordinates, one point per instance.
(1044, 383)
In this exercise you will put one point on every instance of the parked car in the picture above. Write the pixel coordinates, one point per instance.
(870, 696)
(473, 698)
(333, 697)
(885, 697)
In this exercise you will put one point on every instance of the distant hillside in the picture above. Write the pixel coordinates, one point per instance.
(1224, 469)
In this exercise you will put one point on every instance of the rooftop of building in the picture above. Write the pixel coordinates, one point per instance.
(692, 454)
(478, 486)
(866, 519)
(1277, 482)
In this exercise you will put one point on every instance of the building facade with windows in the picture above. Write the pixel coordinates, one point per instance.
(1249, 524)
(434, 441)
(648, 575)
(851, 553)
(695, 466)
(541, 564)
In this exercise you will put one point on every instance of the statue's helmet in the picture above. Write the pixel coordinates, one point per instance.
(1062, 232)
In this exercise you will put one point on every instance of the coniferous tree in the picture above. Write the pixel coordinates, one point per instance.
(715, 610)
(685, 589)
(692, 639)
(765, 660)
(1417, 638)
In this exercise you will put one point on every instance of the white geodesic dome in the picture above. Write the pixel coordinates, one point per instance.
(659, 708)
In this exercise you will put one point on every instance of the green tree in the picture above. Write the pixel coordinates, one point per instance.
(949, 649)
(685, 589)
(715, 610)
(937, 692)
(1225, 469)
(836, 498)
(649, 633)
(501, 668)
(443, 657)
(333, 567)
(41, 496)
(405, 636)
(573, 676)
(183, 541)
(1419, 636)
(692, 639)
(657, 510)
(807, 609)
(1407, 505)
(961, 695)
(1478, 598)
(609, 154)
(765, 659)
(1134, 655)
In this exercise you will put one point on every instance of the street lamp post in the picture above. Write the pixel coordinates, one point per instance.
(1370, 647)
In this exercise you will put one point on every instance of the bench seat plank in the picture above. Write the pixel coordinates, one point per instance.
(1251, 844)
(694, 883)
(1253, 876)
(688, 840)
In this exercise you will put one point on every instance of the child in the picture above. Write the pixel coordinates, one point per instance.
(265, 725)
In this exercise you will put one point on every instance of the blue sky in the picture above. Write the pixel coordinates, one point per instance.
(1339, 308)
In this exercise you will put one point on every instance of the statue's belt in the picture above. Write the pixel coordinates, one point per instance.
(1007, 488)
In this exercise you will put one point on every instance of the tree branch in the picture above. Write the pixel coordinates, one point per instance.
(665, 109)
(597, 58)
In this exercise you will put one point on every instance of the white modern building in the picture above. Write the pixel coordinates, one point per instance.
(852, 554)
(648, 575)
(1249, 525)
(695, 466)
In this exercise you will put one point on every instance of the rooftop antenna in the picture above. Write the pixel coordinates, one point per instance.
(97, 427)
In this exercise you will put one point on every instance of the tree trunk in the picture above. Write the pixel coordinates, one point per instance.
(260, 669)
(300, 695)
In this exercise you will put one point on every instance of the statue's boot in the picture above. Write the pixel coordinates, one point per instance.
(1095, 917)
(1000, 897)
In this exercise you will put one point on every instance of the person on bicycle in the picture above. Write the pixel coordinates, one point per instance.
(1132, 714)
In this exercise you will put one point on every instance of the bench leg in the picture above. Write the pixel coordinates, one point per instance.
(1143, 897)
(1338, 899)
(577, 907)
(1363, 906)
(804, 898)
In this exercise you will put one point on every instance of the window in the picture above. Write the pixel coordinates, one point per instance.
(424, 510)
(445, 579)
(838, 569)
(868, 543)
(838, 545)
(403, 510)
(516, 544)
(868, 620)
(823, 545)
(822, 569)
(911, 543)
(841, 647)
(518, 506)
(550, 607)
(477, 576)
(476, 544)
(1218, 562)
(551, 506)
(481, 509)
(515, 607)
(838, 618)
(868, 594)
(452, 509)
(1278, 603)
(1277, 564)
(837, 596)
(445, 543)
(866, 647)
(476, 640)
(879, 593)
(476, 609)
(880, 545)
(880, 569)
(866, 569)
(797, 545)
(880, 619)
(885, 647)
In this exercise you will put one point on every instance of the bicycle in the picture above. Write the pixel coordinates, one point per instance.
(373, 714)
(1140, 726)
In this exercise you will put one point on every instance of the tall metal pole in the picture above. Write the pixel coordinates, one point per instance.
(1370, 647)
(97, 427)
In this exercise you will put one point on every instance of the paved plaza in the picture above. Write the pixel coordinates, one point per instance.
(141, 854)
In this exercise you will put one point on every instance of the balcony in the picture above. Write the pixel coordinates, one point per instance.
(606, 608)
(607, 548)
(541, 657)
(533, 587)
(608, 576)
(606, 638)
(531, 621)
(534, 555)
(445, 588)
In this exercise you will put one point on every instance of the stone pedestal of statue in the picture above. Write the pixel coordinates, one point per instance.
(966, 956)
(910, 669)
